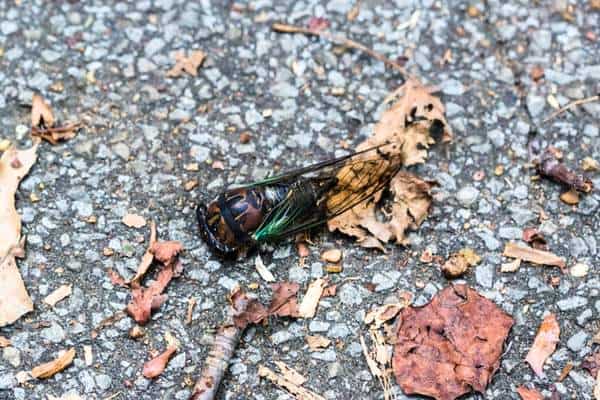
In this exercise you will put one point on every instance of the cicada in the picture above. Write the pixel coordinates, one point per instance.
(246, 215)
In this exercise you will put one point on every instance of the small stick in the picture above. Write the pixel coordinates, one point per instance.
(571, 105)
(341, 40)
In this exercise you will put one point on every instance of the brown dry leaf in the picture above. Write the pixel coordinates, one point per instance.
(459, 263)
(148, 256)
(317, 342)
(535, 238)
(589, 164)
(415, 115)
(283, 300)
(166, 252)
(41, 113)
(14, 299)
(134, 220)
(59, 294)
(185, 64)
(115, 278)
(451, 345)
(50, 368)
(310, 302)
(332, 256)
(592, 363)
(535, 256)
(55, 134)
(570, 197)
(299, 392)
(4, 342)
(529, 394)
(544, 344)
(290, 374)
(157, 365)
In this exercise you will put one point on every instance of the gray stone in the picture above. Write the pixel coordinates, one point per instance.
(327, 355)
(7, 381)
(350, 295)
(284, 89)
(385, 280)
(54, 333)
(338, 331)
(571, 303)
(453, 87)
(497, 137)
(281, 337)
(12, 355)
(484, 274)
(318, 326)
(535, 104)
(154, 46)
(577, 341)
(467, 195)
(103, 381)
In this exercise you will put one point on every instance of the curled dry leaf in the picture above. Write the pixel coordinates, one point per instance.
(50, 368)
(59, 294)
(414, 118)
(592, 363)
(14, 299)
(115, 278)
(451, 345)
(157, 365)
(133, 220)
(459, 263)
(55, 134)
(332, 256)
(41, 113)
(535, 238)
(188, 64)
(544, 344)
(529, 394)
(535, 256)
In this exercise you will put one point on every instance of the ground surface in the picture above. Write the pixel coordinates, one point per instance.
(105, 64)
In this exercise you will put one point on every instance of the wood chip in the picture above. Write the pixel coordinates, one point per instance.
(332, 256)
(59, 294)
(532, 255)
(544, 344)
(317, 342)
(4, 342)
(190, 310)
(511, 266)
(50, 368)
(262, 270)
(88, 356)
(134, 220)
(570, 197)
(529, 394)
(290, 374)
(147, 258)
(298, 391)
(310, 302)
(589, 164)
(188, 64)
(384, 313)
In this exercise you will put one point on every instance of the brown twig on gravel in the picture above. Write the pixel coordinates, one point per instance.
(550, 166)
(341, 40)
(571, 105)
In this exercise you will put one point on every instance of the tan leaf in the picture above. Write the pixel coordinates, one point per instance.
(50, 368)
(383, 313)
(147, 258)
(134, 220)
(298, 391)
(459, 263)
(317, 342)
(570, 197)
(88, 356)
(185, 64)
(41, 113)
(544, 344)
(290, 374)
(4, 342)
(511, 266)
(532, 255)
(14, 299)
(58, 295)
(310, 302)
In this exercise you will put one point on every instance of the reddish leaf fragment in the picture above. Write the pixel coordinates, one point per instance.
(544, 344)
(166, 252)
(329, 291)
(550, 166)
(529, 394)
(157, 365)
(451, 345)
(115, 278)
(146, 300)
(284, 302)
(318, 24)
(535, 238)
(592, 364)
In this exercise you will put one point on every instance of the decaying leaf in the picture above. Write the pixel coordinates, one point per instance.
(529, 394)
(535, 256)
(570, 197)
(59, 294)
(157, 365)
(592, 363)
(332, 256)
(134, 220)
(14, 299)
(283, 304)
(53, 367)
(317, 342)
(378, 360)
(41, 113)
(298, 391)
(262, 270)
(451, 345)
(535, 238)
(384, 313)
(283, 301)
(544, 344)
(146, 300)
(290, 374)
(414, 118)
(459, 263)
(310, 302)
(185, 64)
(512, 266)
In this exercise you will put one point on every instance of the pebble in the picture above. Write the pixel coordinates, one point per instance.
(318, 326)
(386, 280)
(12, 355)
(453, 87)
(54, 333)
(7, 381)
(338, 331)
(484, 274)
(577, 341)
(467, 196)
(535, 104)
(571, 303)
(281, 337)
(327, 355)
(350, 295)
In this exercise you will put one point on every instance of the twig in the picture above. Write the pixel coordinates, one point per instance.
(341, 40)
(571, 105)
(550, 166)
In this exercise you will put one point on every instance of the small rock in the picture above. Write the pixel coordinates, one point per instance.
(327, 355)
(350, 295)
(332, 256)
(484, 274)
(453, 87)
(467, 195)
(318, 326)
(577, 341)
(281, 337)
(12, 355)
(572, 303)
(579, 270)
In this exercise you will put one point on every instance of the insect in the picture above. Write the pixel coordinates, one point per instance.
(279, 206)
